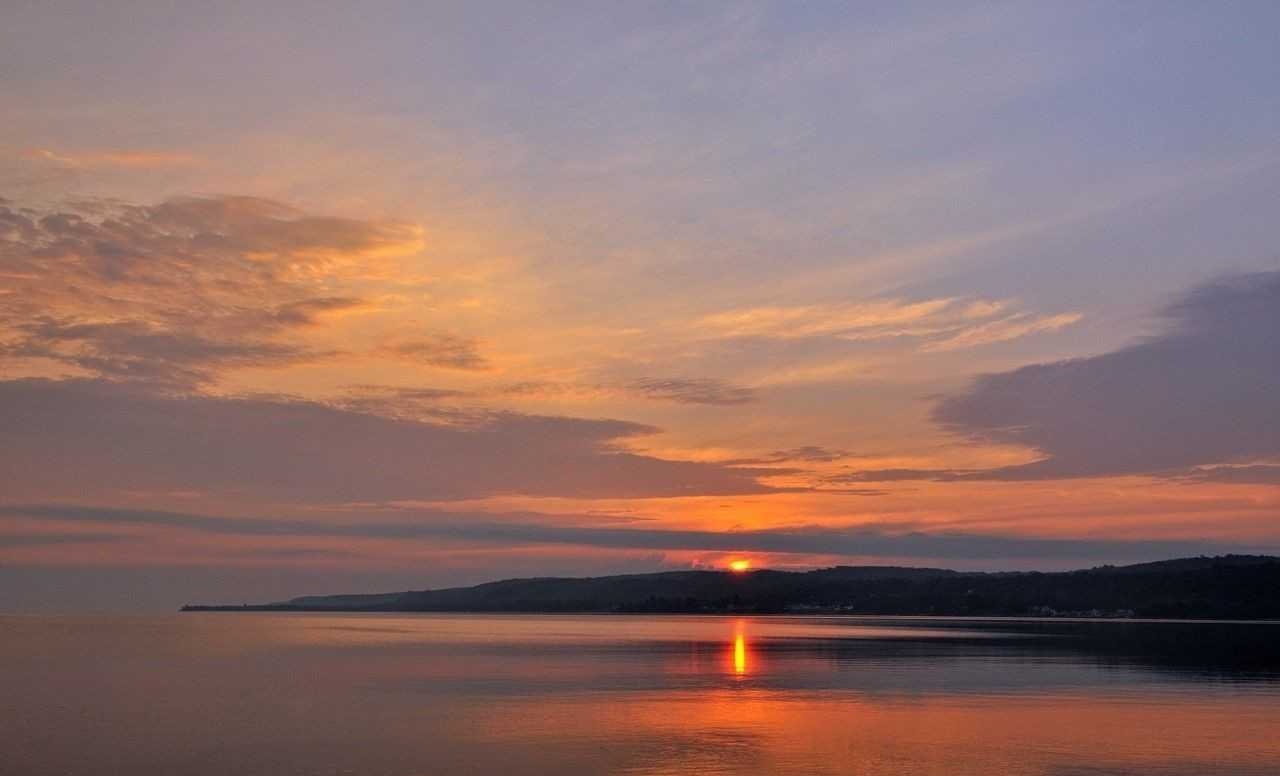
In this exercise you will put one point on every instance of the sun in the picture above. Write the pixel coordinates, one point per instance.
(740, 565)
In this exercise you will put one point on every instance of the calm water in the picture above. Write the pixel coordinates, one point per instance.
(281, 694)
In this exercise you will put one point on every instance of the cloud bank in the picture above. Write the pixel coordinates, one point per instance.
(524, 530)
(91, 437)
(1200, 401)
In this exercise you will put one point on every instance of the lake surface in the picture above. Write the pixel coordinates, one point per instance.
(281, 694)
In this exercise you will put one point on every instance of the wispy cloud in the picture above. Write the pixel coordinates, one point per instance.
(127, 159)
(805, 454)
(831, 320)
(1002, 330)
(692, 391)
(946, 323)
(696, 391)
(443, 350)
(1244, 473)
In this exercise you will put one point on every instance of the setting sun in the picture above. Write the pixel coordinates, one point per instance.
(739, 565)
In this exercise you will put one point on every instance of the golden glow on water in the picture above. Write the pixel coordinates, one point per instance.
(740, 651)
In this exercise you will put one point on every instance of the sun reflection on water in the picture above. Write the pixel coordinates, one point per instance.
(740, 650)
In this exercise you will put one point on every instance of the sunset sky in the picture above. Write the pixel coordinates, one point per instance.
(318, 298)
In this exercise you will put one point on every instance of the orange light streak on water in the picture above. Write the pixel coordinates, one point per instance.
(740, 651)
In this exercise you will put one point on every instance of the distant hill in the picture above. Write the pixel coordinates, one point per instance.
(1227, 587)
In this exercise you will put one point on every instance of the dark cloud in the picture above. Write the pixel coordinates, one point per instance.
(536, 389)
(443, 350)
(406, 394)
(904, 475)
(854, 491)
(811, 453)
(523, 529)
(1205, 392)
(397, 402)
(77, 437)
(134, 349)
(307, 312)
(692, 391)
(684, 391)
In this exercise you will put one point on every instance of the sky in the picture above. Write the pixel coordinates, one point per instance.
(305, 298)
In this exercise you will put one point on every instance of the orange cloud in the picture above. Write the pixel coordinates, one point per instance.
(184, 290)
(940, 324)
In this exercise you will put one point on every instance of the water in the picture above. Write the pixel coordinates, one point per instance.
(282, 694)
